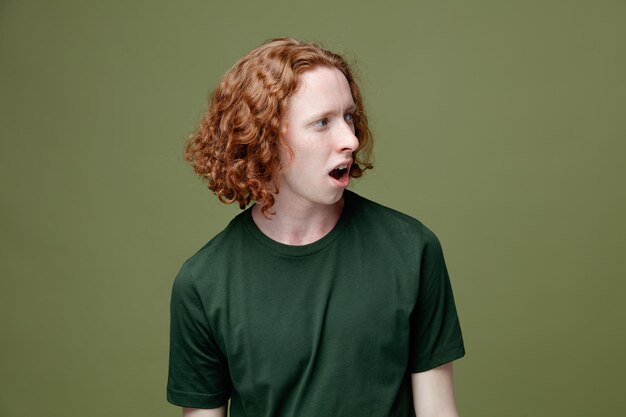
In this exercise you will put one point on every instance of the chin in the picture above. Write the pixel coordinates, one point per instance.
(335, 198)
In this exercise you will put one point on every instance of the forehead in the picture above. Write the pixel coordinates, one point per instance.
(321, 89)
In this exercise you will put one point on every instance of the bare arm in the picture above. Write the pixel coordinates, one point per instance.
(433, 392)
(202, 412)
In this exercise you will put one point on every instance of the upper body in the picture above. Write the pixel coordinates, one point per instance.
(314, 301)
(333, 327)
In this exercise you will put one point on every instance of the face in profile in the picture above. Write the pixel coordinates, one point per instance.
(318, 127)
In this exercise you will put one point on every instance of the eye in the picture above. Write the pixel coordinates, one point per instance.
(321, 123)
(349, 117)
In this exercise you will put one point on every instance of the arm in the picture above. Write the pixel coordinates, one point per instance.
(202, 412)
(433, 392)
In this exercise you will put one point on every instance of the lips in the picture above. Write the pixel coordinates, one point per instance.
(339, 172)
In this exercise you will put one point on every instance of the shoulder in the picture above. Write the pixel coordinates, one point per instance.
(384, 220)
(213, 255)
(361, 206)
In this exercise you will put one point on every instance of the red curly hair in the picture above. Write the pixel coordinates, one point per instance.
(236, 146)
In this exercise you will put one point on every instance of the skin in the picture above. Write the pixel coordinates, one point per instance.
(433, 392)
(318, 129)
(198, 412)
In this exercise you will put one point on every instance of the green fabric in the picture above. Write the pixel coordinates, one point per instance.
(333, 328)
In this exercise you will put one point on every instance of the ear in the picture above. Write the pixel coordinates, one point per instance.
(284, 148)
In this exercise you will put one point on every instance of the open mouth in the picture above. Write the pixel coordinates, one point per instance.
(339, 172)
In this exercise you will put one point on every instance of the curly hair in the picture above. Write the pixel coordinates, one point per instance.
(236, 146)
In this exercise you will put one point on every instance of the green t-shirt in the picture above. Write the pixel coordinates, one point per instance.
(332, 328)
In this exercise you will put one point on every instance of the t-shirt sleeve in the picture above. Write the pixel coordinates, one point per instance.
(436, 336)
(198, 371)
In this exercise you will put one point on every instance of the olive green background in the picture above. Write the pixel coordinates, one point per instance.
(501, 125)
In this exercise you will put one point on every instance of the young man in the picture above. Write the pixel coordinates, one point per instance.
(314, 301)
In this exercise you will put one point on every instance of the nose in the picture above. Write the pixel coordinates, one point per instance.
(346, 139)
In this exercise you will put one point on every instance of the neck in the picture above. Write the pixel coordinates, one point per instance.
(298, 224)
